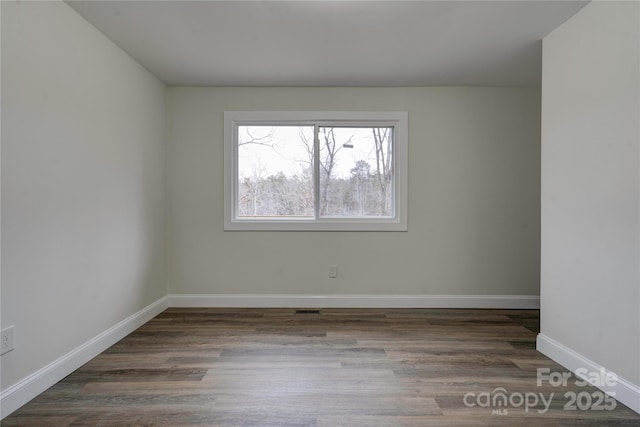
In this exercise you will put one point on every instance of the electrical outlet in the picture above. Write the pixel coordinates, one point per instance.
(6, 340)
(333, 271)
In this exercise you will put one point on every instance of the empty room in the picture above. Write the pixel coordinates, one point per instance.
(320, 213)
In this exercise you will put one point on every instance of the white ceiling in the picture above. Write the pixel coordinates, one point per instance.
(333, 43)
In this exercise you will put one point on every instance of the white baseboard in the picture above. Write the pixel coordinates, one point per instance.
(356, 301)
(22, 392)
(624, 391)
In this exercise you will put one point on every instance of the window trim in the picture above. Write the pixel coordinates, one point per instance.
(397, 119)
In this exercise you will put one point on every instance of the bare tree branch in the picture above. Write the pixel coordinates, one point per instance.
(384, 165)
(266, 140)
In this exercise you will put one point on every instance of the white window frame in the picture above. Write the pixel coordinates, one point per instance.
(397, 120)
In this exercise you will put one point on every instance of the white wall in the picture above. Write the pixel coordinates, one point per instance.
(590, 279)
(473, 199)
(82, 184)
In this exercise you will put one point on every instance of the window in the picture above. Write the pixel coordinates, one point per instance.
(316, 171)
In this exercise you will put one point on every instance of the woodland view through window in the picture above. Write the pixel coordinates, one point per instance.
(315, 171)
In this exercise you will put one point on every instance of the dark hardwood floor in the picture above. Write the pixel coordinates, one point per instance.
(276, 367)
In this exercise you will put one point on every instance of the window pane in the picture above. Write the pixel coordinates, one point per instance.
(356, 171)
(275, 172)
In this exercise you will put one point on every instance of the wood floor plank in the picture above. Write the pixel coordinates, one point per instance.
(339, 367)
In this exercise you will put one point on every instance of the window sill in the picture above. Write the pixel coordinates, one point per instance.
(316, 225)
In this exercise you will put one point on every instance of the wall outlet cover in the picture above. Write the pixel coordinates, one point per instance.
(6, 340)
(333, 271)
